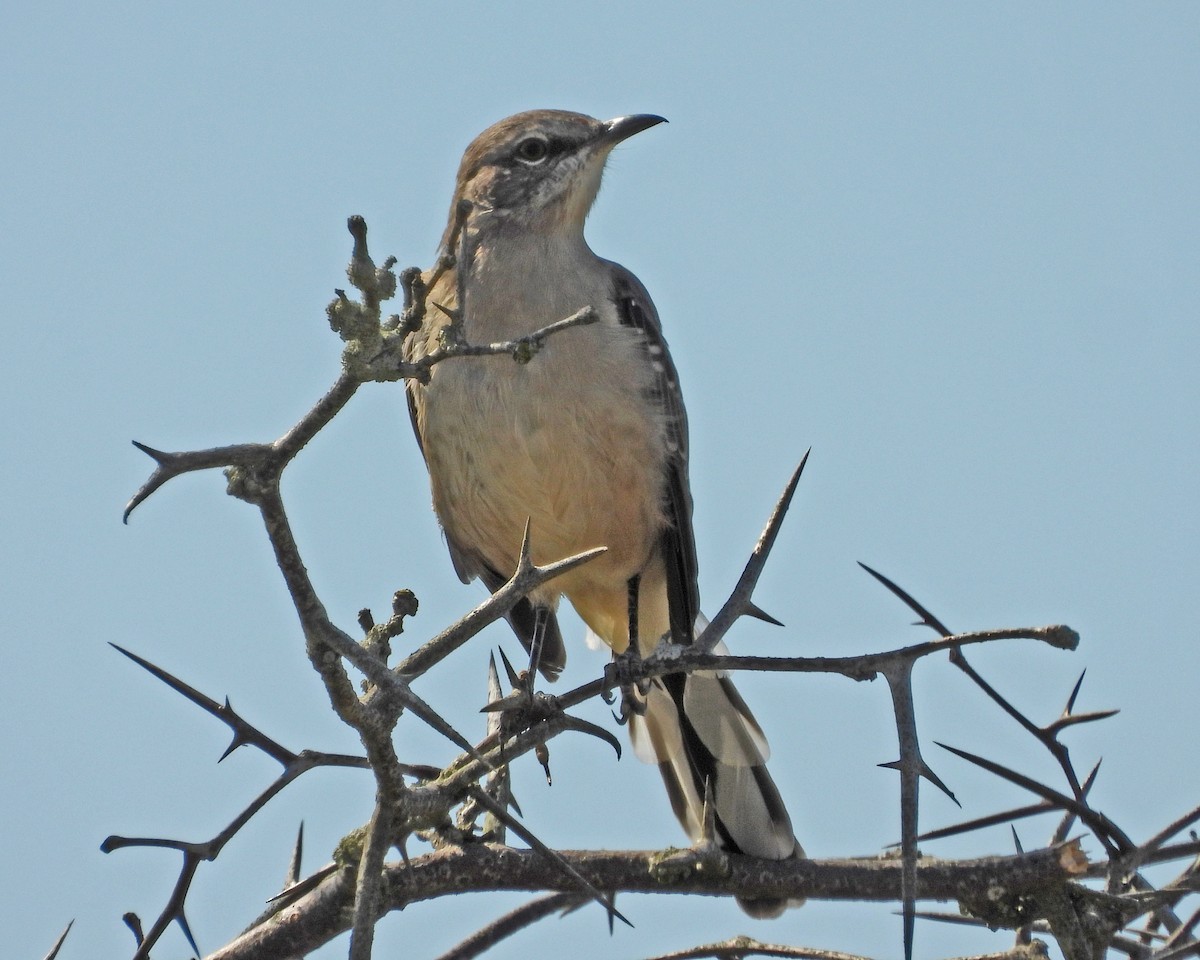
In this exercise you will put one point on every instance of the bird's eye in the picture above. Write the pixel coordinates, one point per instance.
(532, 150)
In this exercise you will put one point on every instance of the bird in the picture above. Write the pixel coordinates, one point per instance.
(587, 444)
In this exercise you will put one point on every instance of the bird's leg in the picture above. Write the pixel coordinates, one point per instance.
(632, 703)
(633, 586)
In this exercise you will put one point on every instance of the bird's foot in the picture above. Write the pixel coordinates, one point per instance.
(623, 674)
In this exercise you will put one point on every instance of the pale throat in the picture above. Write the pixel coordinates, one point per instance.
(521, 280)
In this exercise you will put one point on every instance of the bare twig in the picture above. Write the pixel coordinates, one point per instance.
(1047, 736)
(1113, 837)
(367, 892)
(1007, 816)
(527, 576)
(195, 853)
(868, 666)
(530, 913)
(551, 856)
(1170, 830)
(245, 734)
(911, 768)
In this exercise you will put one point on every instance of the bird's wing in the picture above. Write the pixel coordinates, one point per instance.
(678, 544)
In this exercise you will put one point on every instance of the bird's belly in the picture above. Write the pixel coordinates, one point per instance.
(584, 471)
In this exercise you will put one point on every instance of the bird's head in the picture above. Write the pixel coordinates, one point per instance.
(539, 170)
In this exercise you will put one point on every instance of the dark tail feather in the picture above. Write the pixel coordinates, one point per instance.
(522, 618)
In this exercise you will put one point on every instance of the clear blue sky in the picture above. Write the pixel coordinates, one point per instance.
(953, 247)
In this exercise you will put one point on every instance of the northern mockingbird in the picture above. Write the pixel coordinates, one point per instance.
(588, 443)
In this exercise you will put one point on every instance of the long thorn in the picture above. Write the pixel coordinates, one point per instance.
(927, 618)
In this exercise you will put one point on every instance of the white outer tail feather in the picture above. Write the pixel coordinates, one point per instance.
(749, 811)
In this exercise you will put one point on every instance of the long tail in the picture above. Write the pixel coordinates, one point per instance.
(698, 729)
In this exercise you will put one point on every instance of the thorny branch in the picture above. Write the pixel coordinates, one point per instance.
(361, 886)
(480, 867)
(374, 351)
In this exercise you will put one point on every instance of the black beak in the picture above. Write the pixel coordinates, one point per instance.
(622, 128)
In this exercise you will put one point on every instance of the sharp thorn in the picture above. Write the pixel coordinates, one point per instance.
(524, 558)
(62, 937)
(1070, 707)
(236, 742)
(293, 873)
(758, 613)
(933, 778)
(927, 618)
(181, 919)
(514, 678)
(158, 456)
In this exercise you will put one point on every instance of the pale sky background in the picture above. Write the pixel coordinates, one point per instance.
(953, 247)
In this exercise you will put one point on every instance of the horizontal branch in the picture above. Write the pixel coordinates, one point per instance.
(480, 868)
(868, 666)
(676, 659)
